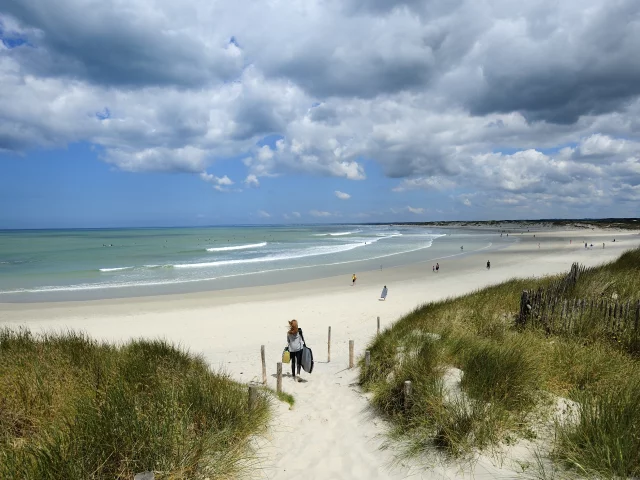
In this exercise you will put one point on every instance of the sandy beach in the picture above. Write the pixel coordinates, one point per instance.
(329, 434)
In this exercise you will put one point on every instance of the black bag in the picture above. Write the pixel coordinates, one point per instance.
(307, 356)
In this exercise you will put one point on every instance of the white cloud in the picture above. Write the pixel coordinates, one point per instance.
(318, 213)
(342, 195)
(467, 202)
(417, 211)
(296, 214)
(263, 214)
(219, 183)
(437, 183)
(251, 181)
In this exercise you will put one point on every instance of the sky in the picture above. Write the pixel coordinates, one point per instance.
(160, 113)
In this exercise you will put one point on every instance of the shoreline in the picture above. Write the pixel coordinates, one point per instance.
(488, 241)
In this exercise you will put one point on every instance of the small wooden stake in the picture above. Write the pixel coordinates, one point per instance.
(279, 377)
(253, 397)
(351, 354)
(264, 365)
(329, 347)
(378, 325)
(407, 394)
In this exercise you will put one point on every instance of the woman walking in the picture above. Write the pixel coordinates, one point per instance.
(295, 342)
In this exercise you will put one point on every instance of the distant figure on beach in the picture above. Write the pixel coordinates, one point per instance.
(461, 248)
(295, 341)
(488, 265)
(353, 279)
(585, 244)
(383, 295)
(433, 267)
(437, 267)
(614, 239)
(603, 245)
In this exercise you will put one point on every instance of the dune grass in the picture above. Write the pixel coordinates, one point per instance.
(287, 398)
(75, 408)
(512, 376)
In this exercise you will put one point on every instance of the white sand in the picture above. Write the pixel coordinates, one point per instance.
(329, 434)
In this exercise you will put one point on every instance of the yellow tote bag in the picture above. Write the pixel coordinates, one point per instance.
(286, 358)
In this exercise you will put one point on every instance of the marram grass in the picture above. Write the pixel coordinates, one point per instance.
(78, 409)
(511, 374)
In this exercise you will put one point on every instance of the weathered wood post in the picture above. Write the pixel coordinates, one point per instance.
(264, 365)
(524, 307)
(378, 326)
(367, 362)
(407, 395)
(279, 377)
(351, 364)
(253, 397)
(329, 346)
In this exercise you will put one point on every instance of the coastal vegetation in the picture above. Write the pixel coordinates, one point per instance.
(75, 408)
(483, 380)
(518, 225)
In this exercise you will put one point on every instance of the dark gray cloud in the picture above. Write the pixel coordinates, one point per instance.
(583, 63)
(119, 47)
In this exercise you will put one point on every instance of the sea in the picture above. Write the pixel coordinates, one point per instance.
(76, 264)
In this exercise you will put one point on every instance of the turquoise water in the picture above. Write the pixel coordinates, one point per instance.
(112, 262)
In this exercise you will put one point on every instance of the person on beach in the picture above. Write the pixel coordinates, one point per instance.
(437, 267)
(383, 295)
(353, 279)
(433, 267)
(295, 343)
(488, 265)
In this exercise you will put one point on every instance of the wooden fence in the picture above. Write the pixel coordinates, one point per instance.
(557, 314)
(549, 308)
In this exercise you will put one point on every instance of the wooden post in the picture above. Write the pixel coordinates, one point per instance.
(407, 394)
(524, 307)
(351, 354)
(253, 397)
(367, 359)
(378, 325)
(264, 365)
(329, 347)
(279, 377)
